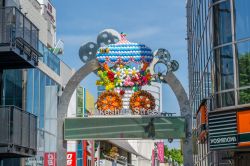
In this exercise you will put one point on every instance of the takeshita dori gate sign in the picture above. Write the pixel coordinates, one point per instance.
(124, 70)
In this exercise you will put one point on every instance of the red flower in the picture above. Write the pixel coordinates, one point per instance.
(111, 76)
(122, 92)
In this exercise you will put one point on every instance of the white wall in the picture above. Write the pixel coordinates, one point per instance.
(50, 116)
(144, 148)
(156, 90)
(72, 145)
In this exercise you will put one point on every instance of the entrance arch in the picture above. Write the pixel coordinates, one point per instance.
(93, 65)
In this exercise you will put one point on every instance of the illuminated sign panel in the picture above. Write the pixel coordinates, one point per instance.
(117, 127)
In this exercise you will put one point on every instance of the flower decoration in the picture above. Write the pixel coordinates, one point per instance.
(123, 76)
(109, 101)
(142, 100)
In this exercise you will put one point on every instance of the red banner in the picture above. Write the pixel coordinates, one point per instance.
(160, 147)
(50, 159)
(71, 158)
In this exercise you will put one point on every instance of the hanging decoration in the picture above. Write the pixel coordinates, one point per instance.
(124, 70)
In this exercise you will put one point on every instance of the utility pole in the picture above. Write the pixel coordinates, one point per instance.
(156, 155)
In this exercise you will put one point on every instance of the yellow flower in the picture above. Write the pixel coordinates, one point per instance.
(110, 86)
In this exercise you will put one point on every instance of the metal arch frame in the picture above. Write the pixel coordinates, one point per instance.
(186, 112)
(64, 100)
(91, 66)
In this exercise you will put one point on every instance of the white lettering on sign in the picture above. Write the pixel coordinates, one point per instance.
(223, 140)
(69, 159)
(50, 159)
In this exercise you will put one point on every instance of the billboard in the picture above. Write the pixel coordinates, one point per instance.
(120, 127)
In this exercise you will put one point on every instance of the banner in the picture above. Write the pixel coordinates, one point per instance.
(160, 147)
(50, 159)
(71, 158)
(153, 158)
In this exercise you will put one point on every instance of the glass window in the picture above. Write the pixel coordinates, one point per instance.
(244, 96)
(12, 88)
(36, 91)
(224, 68)
(222, 23)
(243, 52)
(242, 18)
(29, 94)
(42, 100)
(225, 99)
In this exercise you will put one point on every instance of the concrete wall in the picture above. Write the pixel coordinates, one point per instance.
(65, 73)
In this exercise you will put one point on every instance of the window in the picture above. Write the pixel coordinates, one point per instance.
(243, 52)
(222, 23)
(242, 18)
(224, 68)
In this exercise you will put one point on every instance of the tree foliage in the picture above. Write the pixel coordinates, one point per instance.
(244, 77)
(175, 154)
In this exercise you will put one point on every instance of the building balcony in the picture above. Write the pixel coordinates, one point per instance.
(18, 130)
(18, 40)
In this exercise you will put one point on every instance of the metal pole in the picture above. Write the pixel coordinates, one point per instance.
(98, 153)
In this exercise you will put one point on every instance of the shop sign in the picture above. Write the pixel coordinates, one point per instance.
(71, 158)
(50, 159)
(243, 123)
(222, 130)
(223, 140)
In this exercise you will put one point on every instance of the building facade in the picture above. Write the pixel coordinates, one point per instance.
(31, 81)
(218, 55)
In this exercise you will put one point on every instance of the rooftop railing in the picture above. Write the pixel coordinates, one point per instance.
(16, 30)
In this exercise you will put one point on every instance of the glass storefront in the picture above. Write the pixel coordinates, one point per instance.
(219, 58)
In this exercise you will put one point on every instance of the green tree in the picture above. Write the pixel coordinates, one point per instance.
(175, 154)
(244, 77)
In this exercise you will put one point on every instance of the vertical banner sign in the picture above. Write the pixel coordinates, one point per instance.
(50, 159)
(160, 147)
(153, 158)
(71, 158)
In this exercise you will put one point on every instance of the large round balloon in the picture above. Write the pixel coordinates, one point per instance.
(107, 36)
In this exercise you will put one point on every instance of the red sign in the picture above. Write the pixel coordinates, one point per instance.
(50, 159)
(160, 147)
(71, 158)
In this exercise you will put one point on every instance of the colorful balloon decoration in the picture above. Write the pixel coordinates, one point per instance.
(124, 70)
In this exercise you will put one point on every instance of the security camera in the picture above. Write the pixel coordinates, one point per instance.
(170, 140)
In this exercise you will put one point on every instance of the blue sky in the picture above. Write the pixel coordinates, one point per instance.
(156, 23)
